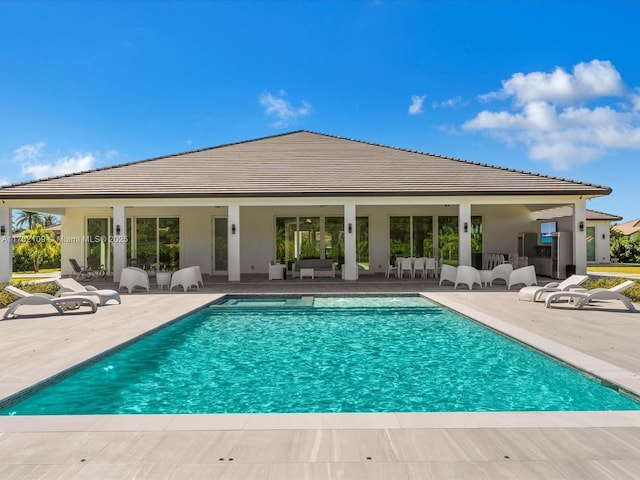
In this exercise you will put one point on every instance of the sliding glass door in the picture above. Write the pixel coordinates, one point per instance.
(319, 237)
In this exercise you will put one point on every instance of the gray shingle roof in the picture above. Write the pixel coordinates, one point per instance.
(298, 164)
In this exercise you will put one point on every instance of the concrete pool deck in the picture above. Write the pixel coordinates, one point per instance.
(571, 445)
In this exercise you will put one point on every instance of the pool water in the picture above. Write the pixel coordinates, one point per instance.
(333, 354)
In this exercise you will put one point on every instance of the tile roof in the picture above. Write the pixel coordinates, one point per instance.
(567, 211)
(298, 164)
(629, 228)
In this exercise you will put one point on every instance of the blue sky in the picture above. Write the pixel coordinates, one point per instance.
(547, 87)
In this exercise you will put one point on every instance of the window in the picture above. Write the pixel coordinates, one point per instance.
(157, 243)
(319, 237)
(448, 239)
(220, 244)
(591, 244)
(98, 248)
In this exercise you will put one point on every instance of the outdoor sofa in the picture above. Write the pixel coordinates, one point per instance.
(322, 267)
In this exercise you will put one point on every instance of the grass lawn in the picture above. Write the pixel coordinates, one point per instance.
(617, 268)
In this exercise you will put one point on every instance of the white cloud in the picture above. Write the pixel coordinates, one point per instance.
(4, 181)
(588, 81)
(285, 113)
(32, 165)
(635, 100)
(416, 104)
(112, 154)
(28, 153)
(449, 103)
(552, 117)
(62, 166)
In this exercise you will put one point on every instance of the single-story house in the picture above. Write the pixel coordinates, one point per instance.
(235, 208)
(629, 229)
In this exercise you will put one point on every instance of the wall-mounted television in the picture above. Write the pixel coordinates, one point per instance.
(546, 230)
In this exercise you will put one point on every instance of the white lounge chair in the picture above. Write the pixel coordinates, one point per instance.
(69, 286)
(448, 273)
(580, 299)
(132, 277)
(186, 278)
(467, 275)
(525, 275)
(61, 304)
(534, 294)
(501, 272)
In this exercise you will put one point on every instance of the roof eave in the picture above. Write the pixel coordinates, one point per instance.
(449, 193)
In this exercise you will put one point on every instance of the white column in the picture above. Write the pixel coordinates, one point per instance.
(580, 236)
(464, 234)
(6, 253)
(233, 224)
(436, 239)
(350, 263)
(120, 241)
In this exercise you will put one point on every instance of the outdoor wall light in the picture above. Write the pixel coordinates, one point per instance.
(118, 230)
(604, 236)
(581, 226)
(466, 227)
(3, 231)
(233, 229)
(350, 228)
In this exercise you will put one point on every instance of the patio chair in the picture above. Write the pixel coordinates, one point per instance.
(198, 273)
(81, 273)
(93, 263)
(69, 286)
(534, 294)
(61, 304)
(419, 269)
(186, 278)
(580, 299)
(431, 267)
(132, 277)
(392, 268)
(468, 276)
(448, 273)
(501, 272)
(406, 267)
(525, 275)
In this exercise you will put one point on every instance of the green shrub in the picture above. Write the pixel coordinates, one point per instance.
(633, 292)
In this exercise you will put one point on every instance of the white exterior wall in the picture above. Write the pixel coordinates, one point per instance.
(603, 245)
(503, 219)
(6, 264)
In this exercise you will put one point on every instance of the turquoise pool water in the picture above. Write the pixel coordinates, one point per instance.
(322, 354)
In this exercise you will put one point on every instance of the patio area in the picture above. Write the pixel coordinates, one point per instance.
(562, 445)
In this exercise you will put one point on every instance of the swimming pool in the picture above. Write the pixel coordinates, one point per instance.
(322, 354)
